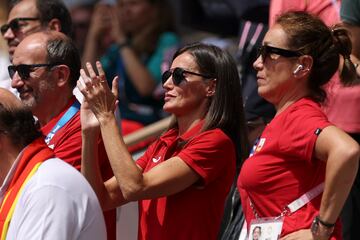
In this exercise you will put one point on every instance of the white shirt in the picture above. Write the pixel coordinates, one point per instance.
(57, 203)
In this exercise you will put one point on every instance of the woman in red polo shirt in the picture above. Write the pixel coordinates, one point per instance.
(183, 178)
(302, 168)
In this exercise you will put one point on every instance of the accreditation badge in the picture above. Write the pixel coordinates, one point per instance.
(265, 228)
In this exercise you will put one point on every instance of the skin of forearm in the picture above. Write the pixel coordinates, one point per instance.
(114, 197)
(341, 170)
(90, 164)
(128, 175)
(138, 74)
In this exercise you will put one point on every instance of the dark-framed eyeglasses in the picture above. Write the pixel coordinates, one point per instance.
(24, 70)
(265, 50)
(178, 75)
(15, 24)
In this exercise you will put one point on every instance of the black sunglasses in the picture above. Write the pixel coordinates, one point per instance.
(178, 75)
(14, 24)
(24, 70)
(265, 50)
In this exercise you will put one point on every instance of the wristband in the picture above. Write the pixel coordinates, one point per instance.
(321, 230)
(325, 224)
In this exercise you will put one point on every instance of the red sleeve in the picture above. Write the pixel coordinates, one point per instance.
(301, 129)
(209, 153)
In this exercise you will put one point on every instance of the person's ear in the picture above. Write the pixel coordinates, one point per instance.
(303, 67)
(54, 25)
(61, 74)
(210, 91)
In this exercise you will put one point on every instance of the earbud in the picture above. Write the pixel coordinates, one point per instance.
(298, 68)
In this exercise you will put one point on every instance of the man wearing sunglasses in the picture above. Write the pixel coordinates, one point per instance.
(30, 16)
(46, 67)
(40, 194)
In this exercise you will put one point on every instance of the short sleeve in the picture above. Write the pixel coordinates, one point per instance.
(210, 154)
(300, 130)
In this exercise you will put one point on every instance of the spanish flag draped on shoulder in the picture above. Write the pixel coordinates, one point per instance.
(32, 157)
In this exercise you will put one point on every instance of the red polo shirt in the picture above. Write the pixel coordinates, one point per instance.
(284, 167)
(196, 212)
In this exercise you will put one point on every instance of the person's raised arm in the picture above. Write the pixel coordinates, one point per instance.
(169, 177)
(99, 27)
(108, 193)
(138, 74)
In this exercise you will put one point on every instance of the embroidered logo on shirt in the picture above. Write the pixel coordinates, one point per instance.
(260, 144)
(155, 160)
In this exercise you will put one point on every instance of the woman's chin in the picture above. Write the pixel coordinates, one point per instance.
(167, 108)
(173, 110)
(263, 93)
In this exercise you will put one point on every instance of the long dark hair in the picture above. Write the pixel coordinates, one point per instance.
(226, 107)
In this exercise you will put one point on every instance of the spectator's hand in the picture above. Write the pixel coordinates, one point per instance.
(117, 31)
(89, 123)
(96, 91)
(303, 234)
(100, 21)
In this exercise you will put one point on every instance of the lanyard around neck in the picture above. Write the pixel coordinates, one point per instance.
(63, 120)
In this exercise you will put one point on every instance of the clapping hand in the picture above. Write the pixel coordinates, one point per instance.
(99, 100)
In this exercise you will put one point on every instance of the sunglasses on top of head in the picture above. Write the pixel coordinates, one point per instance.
(178, 75)
(24, 70)
(15, 24)
(265, 50)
